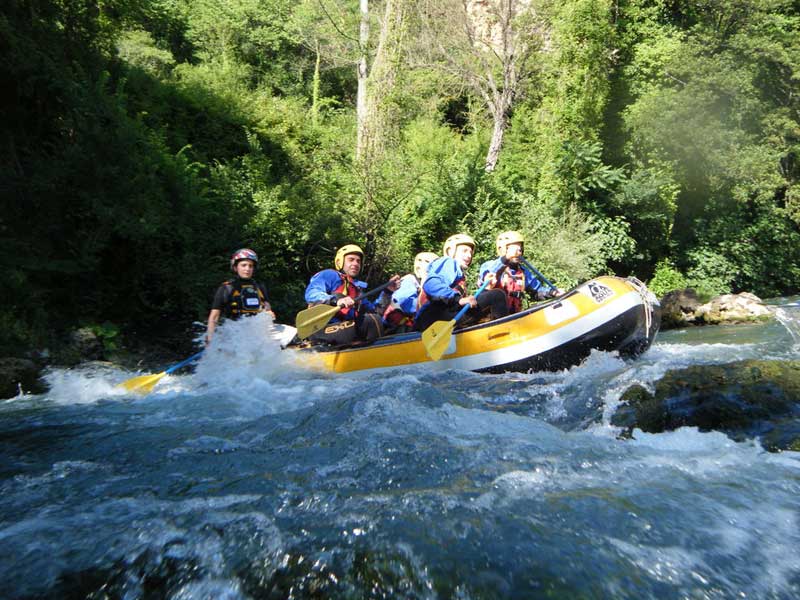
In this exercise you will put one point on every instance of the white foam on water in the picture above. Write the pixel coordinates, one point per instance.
(769, 534)
(246, 365)
(691, 440)
(245, 349)
(84, 384)
(218, 589)
(622, 463)
(670, 565)
(789, 317)
(129, 529)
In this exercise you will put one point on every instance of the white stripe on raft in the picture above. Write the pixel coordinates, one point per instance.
(528, 348)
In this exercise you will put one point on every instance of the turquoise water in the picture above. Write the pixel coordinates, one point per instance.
(256, 478)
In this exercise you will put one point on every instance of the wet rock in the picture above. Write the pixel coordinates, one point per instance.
(744, 399)
(83, 345)
(733, 308)
(16, 373)
(681, 308)
(678, 308)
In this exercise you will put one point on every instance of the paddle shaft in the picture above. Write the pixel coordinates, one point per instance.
(467, 306)
(536, 272)
(183, 363)
(380, 288)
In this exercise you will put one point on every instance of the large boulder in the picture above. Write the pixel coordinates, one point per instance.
(678, 308)
(744, 399)
(19, 373)
(82, 345)
(681, 308)
(733, 308)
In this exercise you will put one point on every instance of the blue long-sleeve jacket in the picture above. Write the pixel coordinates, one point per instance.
(443, 274)
(405, 297)
(532, 282)
(324, 286)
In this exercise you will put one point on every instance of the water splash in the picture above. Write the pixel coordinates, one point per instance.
(246, 358)
(789, 317)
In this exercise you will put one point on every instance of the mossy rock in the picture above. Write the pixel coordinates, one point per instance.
(744, 399)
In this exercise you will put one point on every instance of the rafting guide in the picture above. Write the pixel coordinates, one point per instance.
(240, 296)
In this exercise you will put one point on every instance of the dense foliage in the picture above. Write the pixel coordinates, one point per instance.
(144, 140)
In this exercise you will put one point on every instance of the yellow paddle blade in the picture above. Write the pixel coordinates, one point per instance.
(142, 384)
(311, 320)
(436, 338)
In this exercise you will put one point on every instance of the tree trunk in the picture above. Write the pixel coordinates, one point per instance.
(361, 98)
(315, 88)
(500, 108)
(500, 124)
(380, 121)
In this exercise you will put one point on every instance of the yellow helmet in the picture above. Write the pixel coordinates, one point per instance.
(458, 239)
(421, 262)
(506, 238)
(338, 261)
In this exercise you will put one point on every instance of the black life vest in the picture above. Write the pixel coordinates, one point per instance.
(244, 298)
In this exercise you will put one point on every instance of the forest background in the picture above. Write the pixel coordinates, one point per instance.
(145, 140)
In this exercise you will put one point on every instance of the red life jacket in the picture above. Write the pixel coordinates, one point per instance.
(348, 288)
(513, 283)
(459, 286)
(395, 317)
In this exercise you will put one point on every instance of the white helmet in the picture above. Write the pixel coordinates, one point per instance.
(506, 238)
(421, 262)
(458, 239)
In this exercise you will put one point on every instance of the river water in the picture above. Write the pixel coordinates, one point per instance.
(255, 478)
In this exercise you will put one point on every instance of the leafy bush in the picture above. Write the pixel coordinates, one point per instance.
(710, 274)
(666, 279)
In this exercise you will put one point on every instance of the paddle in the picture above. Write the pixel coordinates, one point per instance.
(284, 334)
(437, 337)
(311, 320)
(536, 272)
(144, 384)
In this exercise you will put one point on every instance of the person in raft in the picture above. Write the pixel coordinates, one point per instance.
(240, 296)
(339, 287)
(444, 290)
(399, 315)
(514, 278)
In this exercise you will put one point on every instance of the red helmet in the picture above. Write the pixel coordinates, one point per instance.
(243, 254)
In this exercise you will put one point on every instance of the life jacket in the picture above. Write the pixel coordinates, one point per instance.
(348, 288)
(245, 298)
(459, 286)
(394, 317)
(513, 283)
